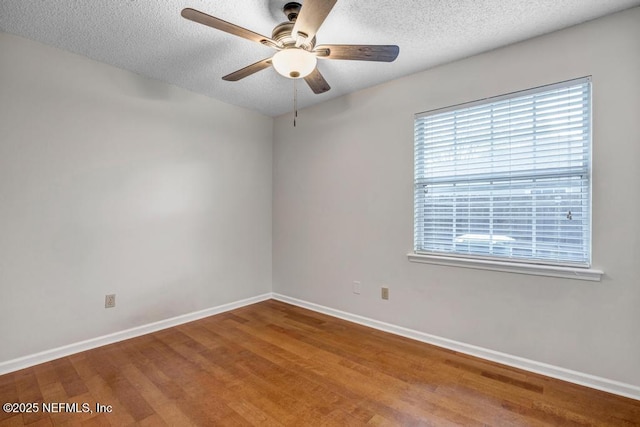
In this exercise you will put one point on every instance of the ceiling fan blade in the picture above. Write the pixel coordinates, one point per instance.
(227, 27)
(316, 82)
(248, 70)
(311, 16)
(364, 52)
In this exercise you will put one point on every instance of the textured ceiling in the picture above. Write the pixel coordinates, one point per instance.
(149, 37)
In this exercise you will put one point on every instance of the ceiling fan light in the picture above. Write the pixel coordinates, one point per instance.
(294, 63)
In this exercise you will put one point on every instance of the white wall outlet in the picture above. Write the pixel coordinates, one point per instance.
(356, 287)
(110, 301)
(385, 293)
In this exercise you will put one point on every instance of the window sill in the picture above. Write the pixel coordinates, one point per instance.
(510, 267)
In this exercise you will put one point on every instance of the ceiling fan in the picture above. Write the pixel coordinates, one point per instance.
(295, 42)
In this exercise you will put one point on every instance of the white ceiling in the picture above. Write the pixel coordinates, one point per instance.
(149, 37)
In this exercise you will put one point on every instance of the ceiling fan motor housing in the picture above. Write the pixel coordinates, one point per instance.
(282, 34)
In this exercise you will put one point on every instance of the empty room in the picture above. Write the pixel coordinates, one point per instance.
(322, 212)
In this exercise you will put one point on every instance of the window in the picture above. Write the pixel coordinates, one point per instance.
(507, 178)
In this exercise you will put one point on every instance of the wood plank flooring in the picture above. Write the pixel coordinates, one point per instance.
(275, 364)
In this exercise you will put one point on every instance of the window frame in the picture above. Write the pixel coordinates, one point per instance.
(510, 264)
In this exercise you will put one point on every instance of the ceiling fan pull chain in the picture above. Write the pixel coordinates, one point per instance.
(295, 102)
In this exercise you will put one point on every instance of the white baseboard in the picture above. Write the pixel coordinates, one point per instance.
(587, 380)
(56, 353)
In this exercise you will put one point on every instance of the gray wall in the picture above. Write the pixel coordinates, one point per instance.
(112, 183)
(343, 208)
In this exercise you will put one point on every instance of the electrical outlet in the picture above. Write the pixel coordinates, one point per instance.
(385, 293)
(356, 287)
(110, 301)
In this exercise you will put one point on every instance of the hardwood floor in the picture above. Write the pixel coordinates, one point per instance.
(275, 364)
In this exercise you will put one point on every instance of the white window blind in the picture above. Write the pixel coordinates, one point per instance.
(507, 177)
